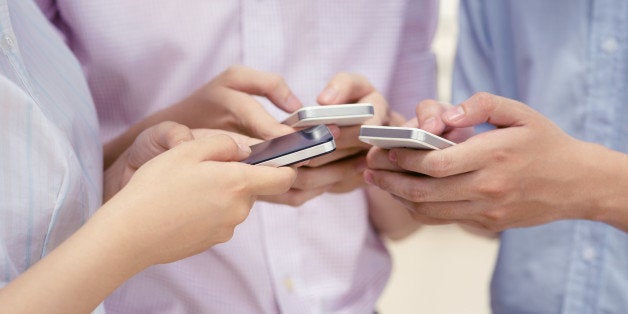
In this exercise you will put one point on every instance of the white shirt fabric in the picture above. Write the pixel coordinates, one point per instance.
(141, 56)
(50, 157)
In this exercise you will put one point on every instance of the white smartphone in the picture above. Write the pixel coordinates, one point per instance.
(392, 137)
(293, 148)
(341, 115)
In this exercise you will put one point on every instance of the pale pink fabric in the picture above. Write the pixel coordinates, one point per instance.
(141, 56)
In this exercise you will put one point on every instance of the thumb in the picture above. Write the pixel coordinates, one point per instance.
(489, 108)
(156, 140)
(215, 148)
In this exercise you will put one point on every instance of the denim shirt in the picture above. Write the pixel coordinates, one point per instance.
(569, 60)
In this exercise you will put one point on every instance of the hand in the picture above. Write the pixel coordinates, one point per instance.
(340, 171)
(190, 198)
(225, 103)
(152, 142)
(526, 172)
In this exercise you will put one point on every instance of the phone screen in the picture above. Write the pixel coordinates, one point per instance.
(292, 143)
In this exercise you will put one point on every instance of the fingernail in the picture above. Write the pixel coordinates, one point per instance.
(429, 124)
(454, 114)
(368, 177)
(329, 95)
(292, 103)
(392, 156)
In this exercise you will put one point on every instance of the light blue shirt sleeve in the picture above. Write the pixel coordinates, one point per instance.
(567, 59)
(50, 153)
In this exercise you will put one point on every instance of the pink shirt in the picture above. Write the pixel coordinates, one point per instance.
(141, 56)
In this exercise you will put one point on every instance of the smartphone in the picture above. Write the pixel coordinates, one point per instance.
(391, 137)
(293, 148)
(341, 115)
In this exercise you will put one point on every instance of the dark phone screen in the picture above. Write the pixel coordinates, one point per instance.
(289, 143)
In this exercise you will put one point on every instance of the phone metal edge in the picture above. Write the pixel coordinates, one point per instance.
(314, 112)
(419, 136)
(301, 155)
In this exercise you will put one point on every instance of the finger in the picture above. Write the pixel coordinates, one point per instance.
(429, 114)
(156, 140)
(381, 108)
(348, 184)
(485, 107)
(262, 180)
(252, 119)
(216, 148)
(458, 135)
(396, 119)
(269, 85)
(377, 159)
(419, 188)
(294, 197)
(348, 138)
(412, 123)
(462, 158)
(458, 212)
(312, 178)
(421, 218)
(345, 88)
(433, 213)
(335, 156)
(240, 139)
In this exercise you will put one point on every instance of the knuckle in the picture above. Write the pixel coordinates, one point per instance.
(304, 180)
(231, 71)
(483, 96)
(494, 219)
(485, 100)
(439, 166)
(501, 156)
(249, 128)
(382, 183)
(494, 215)
(486, 225)
(239, 214)
(493, 189)
(176, 133)
(343, 76)
(295, 200)
(427, 104)
(416, 194)
(225, 234)
(359, 77)
(418, 209)
(274, 82)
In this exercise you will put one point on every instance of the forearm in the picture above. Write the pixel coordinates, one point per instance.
(389, 217)
(76, 276)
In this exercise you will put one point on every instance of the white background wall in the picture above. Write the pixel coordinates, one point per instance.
(441, 269)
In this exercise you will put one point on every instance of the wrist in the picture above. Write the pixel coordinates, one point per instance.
(115, 230)
(611, 201)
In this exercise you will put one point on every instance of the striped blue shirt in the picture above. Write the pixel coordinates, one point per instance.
(569, 60)
(50, 153)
